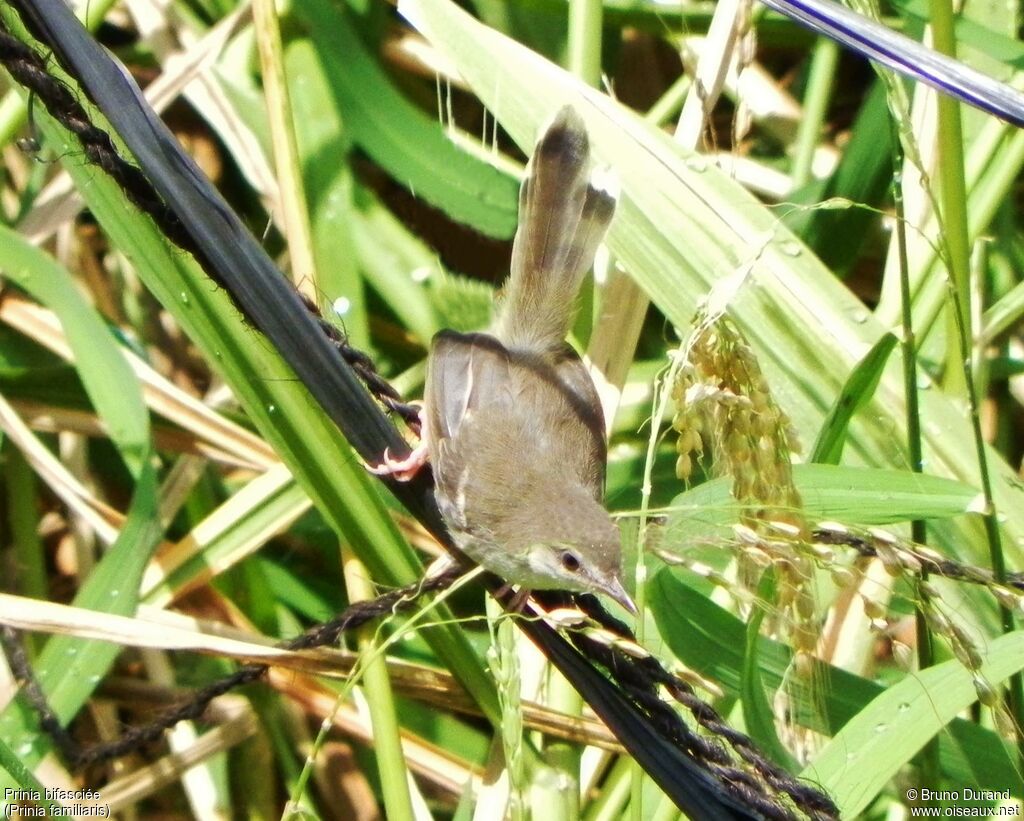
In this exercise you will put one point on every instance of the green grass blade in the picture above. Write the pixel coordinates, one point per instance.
(856, 496)
(856, 393)
(69, 669)
(889, 732)
(108, 379)
(758, 714)
(410, 146)
(26, 780)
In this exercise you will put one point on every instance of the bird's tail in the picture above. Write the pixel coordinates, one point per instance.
(563, 216)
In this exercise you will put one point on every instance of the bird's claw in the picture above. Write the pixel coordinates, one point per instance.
(401, 470)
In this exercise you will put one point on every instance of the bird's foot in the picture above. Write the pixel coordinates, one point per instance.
(404, 470)
(517, 603)
(401, 470)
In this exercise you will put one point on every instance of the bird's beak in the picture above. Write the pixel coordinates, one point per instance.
(615, 590)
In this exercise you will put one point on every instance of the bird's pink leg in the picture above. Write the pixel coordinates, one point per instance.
(404, 470)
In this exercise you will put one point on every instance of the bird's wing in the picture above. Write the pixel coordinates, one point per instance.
(464, 372)
(483, 399)
(467, 379)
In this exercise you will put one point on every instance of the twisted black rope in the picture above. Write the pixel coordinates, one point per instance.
(638, 677)
(641, 678)
(646, 674)
(930, 562)
(135, 738)
(49, 722)
(30, 70)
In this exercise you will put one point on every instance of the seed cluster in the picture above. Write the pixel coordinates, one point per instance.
(726, 414)
(725, 409)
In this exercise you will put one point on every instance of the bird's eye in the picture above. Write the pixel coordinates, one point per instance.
(570, 561)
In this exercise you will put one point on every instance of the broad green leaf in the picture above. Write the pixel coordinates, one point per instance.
(899, 721)
(711, 641)
(853, 496)
(410, 146)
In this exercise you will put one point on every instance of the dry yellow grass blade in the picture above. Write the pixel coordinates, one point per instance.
(430, 685)
(44, 418)
(443, 770)
(187, 60)
(224, 523)
(122, 793)
(149, 628)
(161, 395)
(160, 629)
(103, 519)
(624, 304)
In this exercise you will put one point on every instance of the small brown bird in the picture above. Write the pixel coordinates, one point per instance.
(512, 421)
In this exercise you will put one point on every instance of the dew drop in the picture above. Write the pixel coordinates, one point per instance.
(791, 248)
(881, 727)
(183, 297)
(342, 305)
(271, 408)
(903, 707)
(697, 163)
